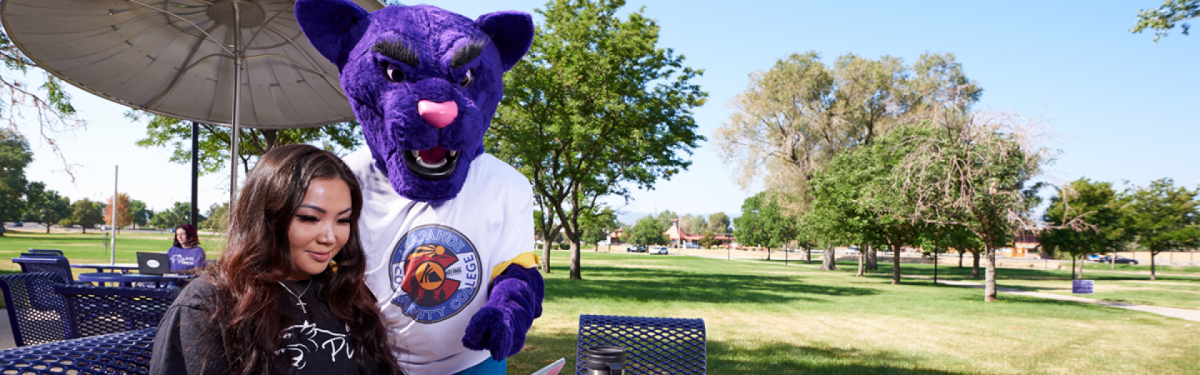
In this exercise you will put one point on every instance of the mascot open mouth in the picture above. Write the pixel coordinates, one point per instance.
(433, 164)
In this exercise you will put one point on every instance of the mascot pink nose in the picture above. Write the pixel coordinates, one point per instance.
(438, 114)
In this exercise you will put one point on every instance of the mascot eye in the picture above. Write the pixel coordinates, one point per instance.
(467, 78)
(393, 73)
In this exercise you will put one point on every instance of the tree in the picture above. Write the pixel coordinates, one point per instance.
(595, 226)
(85, 214)
(973, 169)
(647, 232)
(794, 118)
(215, 143)
(216, 217)
(1165, 17)
(594, 109)
(1096, 206)
(179, 213)
(718, 223)
(139, 214)
(665, 218)
(685, 223)
(46, 206)
(124, 215)
(14, 156)
(854, 201)
(763, 223)
(53, 110)
(548, 229)
(1163, 218)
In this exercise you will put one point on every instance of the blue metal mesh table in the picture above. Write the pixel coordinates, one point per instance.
(652, 345)
(113, 354)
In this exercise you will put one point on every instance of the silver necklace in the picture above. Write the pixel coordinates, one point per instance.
(299, 302)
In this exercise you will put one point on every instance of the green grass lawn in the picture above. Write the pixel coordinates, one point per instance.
(1168, 291)
(765, 318)
(90, 247)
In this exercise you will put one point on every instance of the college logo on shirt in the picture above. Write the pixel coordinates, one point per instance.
(437, 269)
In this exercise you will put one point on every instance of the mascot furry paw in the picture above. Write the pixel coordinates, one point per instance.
(447, 228)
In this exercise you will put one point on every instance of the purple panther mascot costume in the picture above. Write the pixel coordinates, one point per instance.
(447, 228)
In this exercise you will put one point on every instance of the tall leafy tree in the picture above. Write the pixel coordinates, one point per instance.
(718, 223)
(647, 231)
(595, 226)
(665, 218)
(139, 213)
(216, 217)
(699, 225)
(215, 142)
(1094, 203)
(795, 117)
(46, 206)
(124, 214)
(85, 214)
(1166, 17)
(1163, 217)
(14, 156)
(855, 200)
(596, 107)
(178, 213)
(763, 223)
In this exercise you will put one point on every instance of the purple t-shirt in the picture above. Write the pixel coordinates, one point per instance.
(182, 259)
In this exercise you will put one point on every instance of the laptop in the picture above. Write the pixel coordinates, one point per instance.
(153, 263)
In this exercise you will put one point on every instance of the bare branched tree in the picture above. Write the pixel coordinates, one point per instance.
(975, 169)
(21, 102)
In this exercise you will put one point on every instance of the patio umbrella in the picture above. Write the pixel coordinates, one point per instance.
(179, 57)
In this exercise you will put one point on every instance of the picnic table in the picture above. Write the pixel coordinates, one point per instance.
(117, 353)
(130, 278)
(105, 267)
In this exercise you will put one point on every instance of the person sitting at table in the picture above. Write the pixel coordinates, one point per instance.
(287, 296)
(186, 254)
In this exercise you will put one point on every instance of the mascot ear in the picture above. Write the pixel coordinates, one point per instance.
(512, 32)
(326, 23)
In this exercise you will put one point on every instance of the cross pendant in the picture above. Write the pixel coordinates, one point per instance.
(301, 304)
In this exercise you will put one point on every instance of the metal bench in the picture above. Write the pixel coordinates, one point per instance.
(652, 345)
(118, 353)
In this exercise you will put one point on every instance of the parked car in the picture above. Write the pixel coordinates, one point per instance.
(690, 245)
(1093, 257)
(18, 224)
(853, 250)
(635, 249)
(659, 250)
(1120, 259)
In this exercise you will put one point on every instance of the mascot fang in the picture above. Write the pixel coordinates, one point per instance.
(447, 228)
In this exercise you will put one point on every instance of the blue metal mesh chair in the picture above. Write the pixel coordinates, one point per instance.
(652, 345)
(47, 251)
(96, 310)
(46, 263)
(118, 353)
(37, 314)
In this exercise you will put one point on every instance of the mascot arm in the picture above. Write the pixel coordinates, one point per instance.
(515, 300)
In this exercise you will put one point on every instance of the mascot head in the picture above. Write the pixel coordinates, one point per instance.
(423, 82)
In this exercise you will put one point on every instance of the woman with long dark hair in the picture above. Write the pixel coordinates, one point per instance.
(287, 296)
(186, 254)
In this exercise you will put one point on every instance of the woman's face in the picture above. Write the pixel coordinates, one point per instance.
(181, 236)
(320, 228)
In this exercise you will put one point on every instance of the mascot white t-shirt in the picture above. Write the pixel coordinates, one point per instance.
(429, 265)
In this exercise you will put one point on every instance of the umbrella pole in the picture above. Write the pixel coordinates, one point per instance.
(195, 171)
(237, 89)
(112, 254)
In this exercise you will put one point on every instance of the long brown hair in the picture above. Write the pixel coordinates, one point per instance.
(258, 255)
(193, 240)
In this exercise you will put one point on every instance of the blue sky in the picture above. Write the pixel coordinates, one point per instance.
(1122, 107)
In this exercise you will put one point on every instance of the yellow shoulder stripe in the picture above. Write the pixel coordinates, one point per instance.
(527, 260)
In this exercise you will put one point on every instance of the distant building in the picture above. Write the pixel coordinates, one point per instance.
(679, 237)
